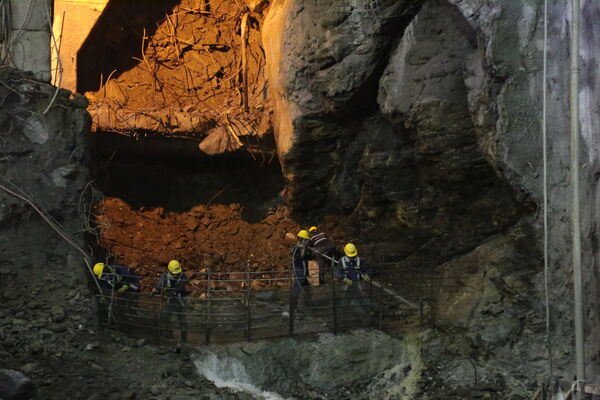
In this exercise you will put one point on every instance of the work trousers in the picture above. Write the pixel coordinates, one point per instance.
(123, 306)
(356, 294)
(177, 306)
(300, 286)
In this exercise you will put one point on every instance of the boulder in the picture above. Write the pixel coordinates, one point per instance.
(14, 385)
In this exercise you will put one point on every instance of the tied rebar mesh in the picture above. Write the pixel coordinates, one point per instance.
(248, 305)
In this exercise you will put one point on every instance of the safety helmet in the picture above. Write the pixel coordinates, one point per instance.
(350, 250)
(98, 269)
(313, 229)
(174, 267)
(303, 234)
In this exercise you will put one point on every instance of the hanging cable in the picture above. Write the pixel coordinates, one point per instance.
(48, 219)
(545, 183)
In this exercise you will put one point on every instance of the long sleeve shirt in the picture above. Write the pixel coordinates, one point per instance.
(352, 268)
(172, 285)
(300, 262)
(119, 276)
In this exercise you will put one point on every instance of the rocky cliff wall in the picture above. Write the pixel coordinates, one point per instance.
(43, 157)
(48, 325)
(422, 122)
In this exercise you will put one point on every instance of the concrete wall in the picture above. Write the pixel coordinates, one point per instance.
(73, 21)
(30, 37)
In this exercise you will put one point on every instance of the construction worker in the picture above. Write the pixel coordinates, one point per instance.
(354, 274)
(323, 247)
(120, 281)
(300, 273)
(172, 285)
(116, 277)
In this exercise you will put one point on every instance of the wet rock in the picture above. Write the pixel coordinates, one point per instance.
(36, 129)
(35, 347)
(15, 385)
(28, 369)
(91, 346)
(5, 268)
(58, 313)
(130, 394)
(61, 176)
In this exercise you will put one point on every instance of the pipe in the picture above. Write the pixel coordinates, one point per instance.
(575, 216)
(545, 190)
(378, 285)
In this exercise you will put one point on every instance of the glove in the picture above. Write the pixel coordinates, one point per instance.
(122, 289)
(366, 278)
(347, 281)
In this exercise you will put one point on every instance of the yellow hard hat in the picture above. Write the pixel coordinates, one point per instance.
(350, 250)
(98, 269)
(313, 228)
(303, 234)
(174, 267)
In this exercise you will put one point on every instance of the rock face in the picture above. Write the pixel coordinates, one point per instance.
(422, 122)
(15, 386)
(44, 160)
(47, 320)
(357, 365)
(386, 134)
(417, 121)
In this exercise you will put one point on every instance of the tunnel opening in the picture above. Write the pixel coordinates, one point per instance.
(182, 139)
(223, 213)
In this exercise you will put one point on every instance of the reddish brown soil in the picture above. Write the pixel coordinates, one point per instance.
(214, 237)
(192, 64)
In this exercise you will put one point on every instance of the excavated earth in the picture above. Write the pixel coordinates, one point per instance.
(411, 128)
(209, 216)
(206, 237)
(175, 70)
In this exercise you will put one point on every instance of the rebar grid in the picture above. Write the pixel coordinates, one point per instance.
(231, 308)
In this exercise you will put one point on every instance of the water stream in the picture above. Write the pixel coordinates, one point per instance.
(357, 364)
(228, 372)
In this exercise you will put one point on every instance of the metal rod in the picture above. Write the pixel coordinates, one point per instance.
(249, 315)
(208, 309)
(380, 308)
(575, 216)
(376, 284)
(290, 310)
(112, 299)
(334, 299)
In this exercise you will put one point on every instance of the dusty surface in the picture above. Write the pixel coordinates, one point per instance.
(214, 237)
(178, 72)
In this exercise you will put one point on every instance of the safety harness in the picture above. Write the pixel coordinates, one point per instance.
(347, 264)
